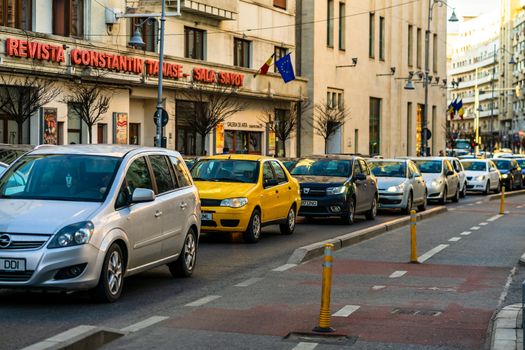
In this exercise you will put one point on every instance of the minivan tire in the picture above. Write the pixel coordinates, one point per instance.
(113, 266)
(289, 226)
(185, 263)
(253, 232)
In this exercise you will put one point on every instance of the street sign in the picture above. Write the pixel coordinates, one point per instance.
(165, 117)
(428, 133)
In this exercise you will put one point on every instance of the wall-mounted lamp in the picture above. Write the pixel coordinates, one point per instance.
(354, 63)
(392, 72)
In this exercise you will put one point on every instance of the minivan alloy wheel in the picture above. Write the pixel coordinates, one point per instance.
(189, 251)
(114, 275)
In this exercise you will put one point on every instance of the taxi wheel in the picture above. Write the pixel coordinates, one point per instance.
(423, 206)
(253, 232)
(498, 189)
(185, 263)
(111, 279)
(443, 199)
(289, 227)
(455, 199)
(463, 193)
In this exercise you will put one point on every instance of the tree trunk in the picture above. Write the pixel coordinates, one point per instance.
(326, 146)
(284, 148)
(90, 134)
(20, 127)
(203, 144)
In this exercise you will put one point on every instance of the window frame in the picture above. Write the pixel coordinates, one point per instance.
(342, 26)
(418, 47)
(4, 16)
(330, 23)
(279, 52)
(371, 35)
(195, 32)
(174, 182)
(124, 184)
(410, 45)
(245, 45)
(275, 164)
(145, 29)
(382, 31)
(66, 17)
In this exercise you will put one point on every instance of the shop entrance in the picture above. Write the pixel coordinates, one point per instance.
(8, 130)
(243, 142)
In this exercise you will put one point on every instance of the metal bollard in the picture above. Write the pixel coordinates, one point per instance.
(324, 315)
(502, 202)
(413, 239)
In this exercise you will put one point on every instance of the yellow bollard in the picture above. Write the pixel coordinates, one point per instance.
(324, 315)
(502, 203)
(413, 239)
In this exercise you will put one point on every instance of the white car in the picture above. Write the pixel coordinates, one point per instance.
(482, 175)
(441, 179)
(458, 168)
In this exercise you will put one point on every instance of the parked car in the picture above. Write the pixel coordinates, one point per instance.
(190, 161)
(458, 168)
(521, 163)
(511, 175)
(482, 175)
(3, 166)
(9, 153)
(336, 185)
(441, 179)
(243, 193)
(86, 216)
(401, 185)
(288, 162)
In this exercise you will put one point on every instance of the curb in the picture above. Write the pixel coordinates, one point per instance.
(507, 328)
(493, 197)
(315, 250)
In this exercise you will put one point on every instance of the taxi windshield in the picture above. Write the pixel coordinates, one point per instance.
(475, 166)
(226, 170)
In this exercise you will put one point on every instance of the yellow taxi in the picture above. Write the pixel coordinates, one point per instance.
(243, 193)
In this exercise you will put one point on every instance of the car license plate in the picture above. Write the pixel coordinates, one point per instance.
(7, 264)
(206, 216)
(309, 203)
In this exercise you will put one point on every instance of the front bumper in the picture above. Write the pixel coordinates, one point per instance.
(43, 264)
(225, 219)
(335, 205)
(389, 200)
(435, 192)
(476, 186)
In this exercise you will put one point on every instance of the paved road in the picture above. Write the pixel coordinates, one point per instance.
(223, 261)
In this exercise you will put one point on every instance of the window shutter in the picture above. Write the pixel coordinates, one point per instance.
(280, 3)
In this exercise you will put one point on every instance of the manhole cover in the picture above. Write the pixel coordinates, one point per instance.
(416, 312)
(328, 338)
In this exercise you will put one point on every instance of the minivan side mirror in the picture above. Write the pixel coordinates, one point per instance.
(142, 195)
(360, 177)
(270, 183)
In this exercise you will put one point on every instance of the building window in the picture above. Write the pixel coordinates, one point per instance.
(371, 35)
(279, 52)
(356, 141)
(382, 38)
(188, 141)
(243, 142)
(409, 129)
(280, 4)
(410, 45)
(134, 133)
(375, 126)
(330, 23)
(342, 26)
(148, 30)
(194, 43)
(335, 99)
(74, 127)
(68, 18)
(241, 52)
(102, 133)
(16, 14)
(435, 53)
(418, 48)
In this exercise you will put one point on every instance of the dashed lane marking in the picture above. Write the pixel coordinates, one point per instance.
(284, 267)
(479, 202)
(203, 301)
(305, 346)
(248, 282)
(346, 311)
(495, 217)
(470, 204)
(397, 274)
(432, 252)
(483, 223)
(144, 324)
(475, 228)
(378, 287)
(56, 340)
(465, 233)
(454, 239)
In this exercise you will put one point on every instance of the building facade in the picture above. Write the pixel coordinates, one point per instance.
(387, 39)
(213, 47)
(517, 127)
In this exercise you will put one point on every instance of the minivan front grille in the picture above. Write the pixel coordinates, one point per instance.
(19, 241)
(24, 245)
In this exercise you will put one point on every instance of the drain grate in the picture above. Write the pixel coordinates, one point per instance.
(416, 312)
(328, 338)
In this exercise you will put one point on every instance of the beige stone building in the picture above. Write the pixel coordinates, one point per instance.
(385, 36)
(211, 43)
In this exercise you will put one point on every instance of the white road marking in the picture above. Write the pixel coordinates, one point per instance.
(378, 287)
(248, 282)
(203, 301)
(56, 340)
(479, 202)
(519, 207)
(475, 228)
(346, 311)
(432, 252)
(470, 204)
(507, 286)
(465, 233)
(305, 346)
(284, 267)
(495, 217)
(397, 274)
(144, 324)
(483, 223)
(454, 239)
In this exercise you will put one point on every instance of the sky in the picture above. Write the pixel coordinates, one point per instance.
(473, 7)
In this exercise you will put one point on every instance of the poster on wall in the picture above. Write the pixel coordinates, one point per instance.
(49, 126)
(271, 142)
(120, 128)
(219, 138)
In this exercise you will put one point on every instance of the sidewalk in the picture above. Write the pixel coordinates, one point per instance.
(507, 331)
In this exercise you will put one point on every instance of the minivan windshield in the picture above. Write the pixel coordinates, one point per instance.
(323, 167)
(474, 166)
(226, 170)
(80, 178)
(388, 169)
(428, 166)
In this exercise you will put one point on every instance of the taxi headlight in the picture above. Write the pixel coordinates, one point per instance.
(234, 202)
(480, 178)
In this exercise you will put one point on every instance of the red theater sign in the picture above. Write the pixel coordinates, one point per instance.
(34, 50)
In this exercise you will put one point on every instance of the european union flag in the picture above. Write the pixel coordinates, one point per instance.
(284, 65)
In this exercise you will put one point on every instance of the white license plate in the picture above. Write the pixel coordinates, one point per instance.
(7, 264)
(206, 216)
(309, 203)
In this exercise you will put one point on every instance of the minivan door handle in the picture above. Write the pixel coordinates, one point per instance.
(183, 205)
(158, 213)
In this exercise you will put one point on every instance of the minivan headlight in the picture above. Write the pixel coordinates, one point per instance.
(335, 190)
(72, 235)
(234, 202)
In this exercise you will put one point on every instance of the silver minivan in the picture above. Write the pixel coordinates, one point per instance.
(83, 217)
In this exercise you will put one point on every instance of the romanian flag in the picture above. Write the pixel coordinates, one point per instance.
(452, 109)
(264, 68)
(460, 109)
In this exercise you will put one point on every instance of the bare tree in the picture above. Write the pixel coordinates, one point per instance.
(213, 105)
(21, 97)
(284, 125)
(327, 119)
(89, 101)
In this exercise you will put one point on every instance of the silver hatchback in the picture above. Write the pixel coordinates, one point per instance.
(82, 217)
